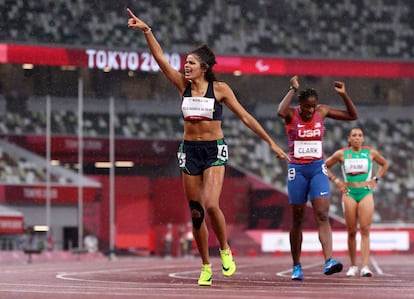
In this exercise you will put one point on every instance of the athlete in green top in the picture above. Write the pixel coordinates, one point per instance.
(357, 171)
(358, 202)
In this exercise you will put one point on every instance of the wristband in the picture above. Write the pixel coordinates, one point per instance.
(336, 180)
(376, 179)
(292, 88)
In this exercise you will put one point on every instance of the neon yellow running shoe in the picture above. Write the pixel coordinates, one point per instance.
(206, 276)
(227, 262)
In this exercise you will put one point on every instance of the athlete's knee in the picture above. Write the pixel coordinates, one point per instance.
(322, 217)
(321, 213)
(197, 213)
(352, 232)
(298, 215)
(297, 223)
(364, 230)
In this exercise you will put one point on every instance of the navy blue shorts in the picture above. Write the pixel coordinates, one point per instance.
(196, 156)
(307, 181)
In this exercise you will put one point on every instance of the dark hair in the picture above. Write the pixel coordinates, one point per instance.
(308, 93)
(355, 128)
(208, 60)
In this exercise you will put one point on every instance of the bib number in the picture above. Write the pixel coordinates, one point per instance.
(222, 152)
(181, 157)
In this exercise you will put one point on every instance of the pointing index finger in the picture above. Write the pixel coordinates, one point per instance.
(131, 13)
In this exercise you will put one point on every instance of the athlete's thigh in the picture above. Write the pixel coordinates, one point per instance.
(297, 185)
(192, 185)
(319, 184)
(350, 207)
(213, 178)
(366, 210)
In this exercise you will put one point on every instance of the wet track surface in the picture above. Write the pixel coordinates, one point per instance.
(150, 277)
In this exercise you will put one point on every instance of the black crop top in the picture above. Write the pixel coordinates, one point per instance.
(201, 108)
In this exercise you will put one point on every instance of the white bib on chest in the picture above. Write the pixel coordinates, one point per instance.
(311, 148)
(356, 165)
(197, 108)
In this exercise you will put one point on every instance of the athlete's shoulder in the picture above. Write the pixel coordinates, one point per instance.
(367, 147)
(219, 84)
(323, 109)
(222, 91)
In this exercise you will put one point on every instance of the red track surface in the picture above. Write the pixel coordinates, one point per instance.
(156, 278)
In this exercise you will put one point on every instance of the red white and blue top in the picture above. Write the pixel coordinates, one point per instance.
(305, 138)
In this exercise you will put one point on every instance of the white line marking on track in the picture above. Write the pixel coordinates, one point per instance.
(285, 272)
(376, 266)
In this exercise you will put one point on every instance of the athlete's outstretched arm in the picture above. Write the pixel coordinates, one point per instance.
(284, 111)
(229, 99)
(173, 75)
(350, 113)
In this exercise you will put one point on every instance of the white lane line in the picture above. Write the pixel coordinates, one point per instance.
(376, 266)
(193, 274)
(289, 271)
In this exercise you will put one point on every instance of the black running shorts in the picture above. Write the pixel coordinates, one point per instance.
(196, 156)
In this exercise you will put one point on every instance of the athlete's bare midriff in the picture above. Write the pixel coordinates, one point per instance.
(202, 130)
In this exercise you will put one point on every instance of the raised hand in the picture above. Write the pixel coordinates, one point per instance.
(294, 82)
(136, 23)
(339, 87)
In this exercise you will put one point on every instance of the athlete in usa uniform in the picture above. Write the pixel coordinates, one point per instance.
(307, 176)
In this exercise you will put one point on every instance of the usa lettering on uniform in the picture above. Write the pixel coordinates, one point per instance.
(309, 133)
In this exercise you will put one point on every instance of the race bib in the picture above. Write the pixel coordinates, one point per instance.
(356, 166)
(222, 152)
(181, 157)
(197, 108)
(312, 148)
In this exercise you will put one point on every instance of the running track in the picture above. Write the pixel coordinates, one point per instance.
(158, 278)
